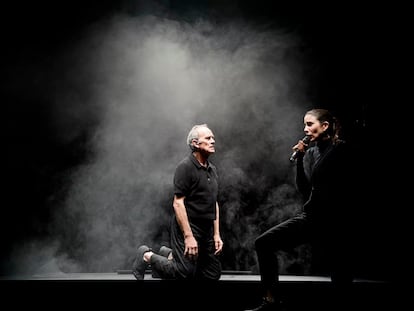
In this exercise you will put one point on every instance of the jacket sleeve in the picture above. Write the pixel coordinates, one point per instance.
(303, 185)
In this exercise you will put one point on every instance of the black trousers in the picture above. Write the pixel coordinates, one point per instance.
(207, 266)
(294, 232)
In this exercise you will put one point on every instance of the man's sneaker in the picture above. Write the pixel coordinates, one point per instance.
(165, 251)
(268, 306)
(139, 265)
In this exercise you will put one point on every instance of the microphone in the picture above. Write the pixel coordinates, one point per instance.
(295, 153)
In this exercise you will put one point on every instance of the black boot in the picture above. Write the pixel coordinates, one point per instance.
(267, 305)
(139, 265)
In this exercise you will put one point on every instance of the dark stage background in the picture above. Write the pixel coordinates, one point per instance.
(98, 96)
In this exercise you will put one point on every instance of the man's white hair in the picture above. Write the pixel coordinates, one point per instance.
(193, 134)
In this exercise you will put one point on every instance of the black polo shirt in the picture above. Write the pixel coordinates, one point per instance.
(199, 186)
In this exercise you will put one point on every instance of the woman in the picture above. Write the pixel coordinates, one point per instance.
(321, 173)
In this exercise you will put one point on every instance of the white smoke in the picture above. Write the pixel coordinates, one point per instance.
(134, 87)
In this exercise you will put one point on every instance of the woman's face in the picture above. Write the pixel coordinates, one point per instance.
(314, 128)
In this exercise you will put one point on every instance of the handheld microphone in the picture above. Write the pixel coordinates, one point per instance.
(295, 153)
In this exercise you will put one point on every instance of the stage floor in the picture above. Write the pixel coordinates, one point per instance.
(126, 275)
(234, 291)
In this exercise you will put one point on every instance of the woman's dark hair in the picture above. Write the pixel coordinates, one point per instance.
(324, 115)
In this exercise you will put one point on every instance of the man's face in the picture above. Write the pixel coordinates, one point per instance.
(206, 140)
